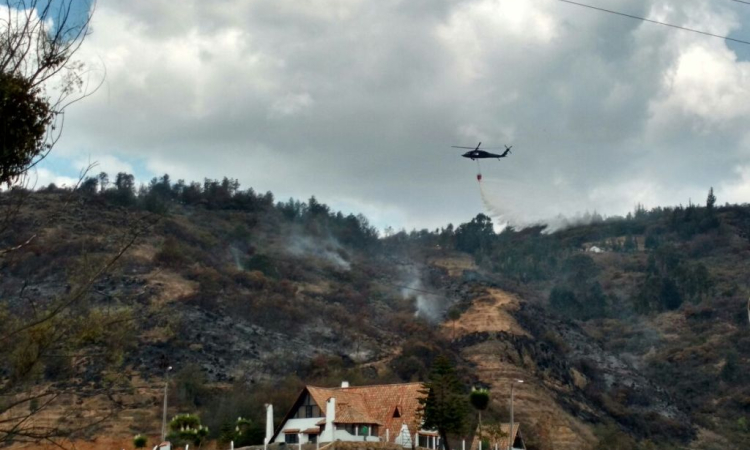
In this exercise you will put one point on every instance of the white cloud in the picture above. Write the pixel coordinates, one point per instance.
(736, 190)
(40, 177)
(359, 102)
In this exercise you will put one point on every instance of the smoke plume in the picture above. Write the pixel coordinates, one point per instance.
(532, 208)
(326, 249)
(429, 306)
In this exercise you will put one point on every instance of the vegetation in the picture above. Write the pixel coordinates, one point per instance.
(187, 429)
(140, 441)
(480, 400)
(444, 406)
(279, 267)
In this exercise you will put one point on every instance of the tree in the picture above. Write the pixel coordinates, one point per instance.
(444, 405)
(43, 336)
(669, 296)
(38, 40)
(564, 302)
(140, 441)
(26, 116)
(475, 235)
(480, 400)
(710, 200)
(453, 315)
(187, 429)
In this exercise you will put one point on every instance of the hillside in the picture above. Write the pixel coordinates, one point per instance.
(644, 343)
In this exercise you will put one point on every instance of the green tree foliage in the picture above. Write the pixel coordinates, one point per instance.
(710, 200)
(731, 370)
(38, 42)
(475, 235)
(669, 296)
(26, 114)
(243, 433)
(140, 441)
(190, 387)
(480, 400)
(564, 302)
(445, 405)
(578, 294)
(580, 269)
(187, 429)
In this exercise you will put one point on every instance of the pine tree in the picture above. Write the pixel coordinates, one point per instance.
(710, 200)
(444, 406)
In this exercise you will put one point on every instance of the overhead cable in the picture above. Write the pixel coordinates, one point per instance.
(727, 38)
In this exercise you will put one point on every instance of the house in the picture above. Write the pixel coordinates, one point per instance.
(498, 441)
(377, 413)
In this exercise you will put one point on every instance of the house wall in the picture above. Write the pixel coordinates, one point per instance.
(298, 424)
(343, 435)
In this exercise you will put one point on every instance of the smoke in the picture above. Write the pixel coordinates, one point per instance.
(326, 249)
(236, 256)
(533, 207)
(429, 306)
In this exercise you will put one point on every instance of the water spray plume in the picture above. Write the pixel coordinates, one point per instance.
(491, 209)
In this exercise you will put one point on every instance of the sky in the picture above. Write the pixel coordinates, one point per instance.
(359, 102)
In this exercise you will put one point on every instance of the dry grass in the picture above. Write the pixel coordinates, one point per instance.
(490, 313)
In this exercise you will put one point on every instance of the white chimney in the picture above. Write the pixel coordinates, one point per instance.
(269, 423)
(329, 432)
(344, 384)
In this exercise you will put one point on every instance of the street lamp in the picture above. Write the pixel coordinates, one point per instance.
(164, 416)
(510, 434)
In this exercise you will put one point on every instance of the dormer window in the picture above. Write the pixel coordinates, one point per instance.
(397, 412)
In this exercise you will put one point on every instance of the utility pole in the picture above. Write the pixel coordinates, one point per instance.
(164, 416)
(510, 431)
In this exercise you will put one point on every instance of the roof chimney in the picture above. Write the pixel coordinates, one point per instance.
(344, 384)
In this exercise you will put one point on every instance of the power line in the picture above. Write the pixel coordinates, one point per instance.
(740, 1)
(658, 22)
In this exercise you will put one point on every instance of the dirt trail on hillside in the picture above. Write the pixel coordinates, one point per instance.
(489, 313)
(497, 363)
(454, 264)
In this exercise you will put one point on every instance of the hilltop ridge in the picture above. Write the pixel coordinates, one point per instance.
(248, 299)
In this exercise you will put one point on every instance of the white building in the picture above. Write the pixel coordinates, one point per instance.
(378, 413)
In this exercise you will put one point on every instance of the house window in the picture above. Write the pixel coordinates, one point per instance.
(291, 438)
(312, 438)
(307, 409)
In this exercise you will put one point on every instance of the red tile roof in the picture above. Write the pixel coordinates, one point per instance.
(374, 405)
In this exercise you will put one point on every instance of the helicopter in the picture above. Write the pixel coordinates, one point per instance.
(475, 153)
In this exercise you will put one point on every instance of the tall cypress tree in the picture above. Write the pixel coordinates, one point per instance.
(444, 407)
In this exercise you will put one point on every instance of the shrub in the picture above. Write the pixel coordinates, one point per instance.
(140, 441)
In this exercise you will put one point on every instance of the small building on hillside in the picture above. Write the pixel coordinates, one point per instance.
(493, 437)
(377, 413)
